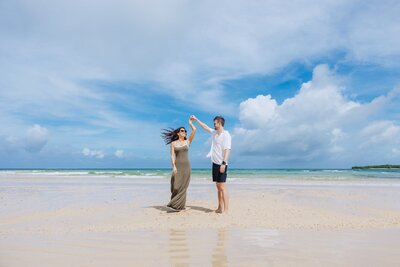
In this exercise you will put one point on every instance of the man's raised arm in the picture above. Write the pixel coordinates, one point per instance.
(202, 124)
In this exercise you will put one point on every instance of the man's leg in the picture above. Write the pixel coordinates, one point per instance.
(224, 197)
(220, 208)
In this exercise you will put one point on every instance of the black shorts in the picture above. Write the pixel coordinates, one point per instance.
(217, 175)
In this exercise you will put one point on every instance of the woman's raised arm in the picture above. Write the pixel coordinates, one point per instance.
(193, 132)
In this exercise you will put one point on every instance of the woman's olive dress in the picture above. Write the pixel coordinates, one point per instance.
(180, 181)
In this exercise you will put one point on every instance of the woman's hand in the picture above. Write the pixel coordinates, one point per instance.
(174, 170)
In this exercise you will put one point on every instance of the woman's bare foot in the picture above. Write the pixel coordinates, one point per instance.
(219, 211)
(172, 209)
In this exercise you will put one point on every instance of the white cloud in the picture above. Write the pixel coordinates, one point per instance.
(188, 48)
(317, 124)
(119, 153)
(34, 140)
(380, 131)
(251, 109)
(93, 153)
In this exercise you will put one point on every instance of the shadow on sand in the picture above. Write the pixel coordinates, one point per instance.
(206, 210)
(169, 210)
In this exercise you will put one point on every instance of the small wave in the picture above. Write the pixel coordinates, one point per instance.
(334, 171)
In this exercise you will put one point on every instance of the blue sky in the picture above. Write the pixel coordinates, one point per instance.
(90, 85)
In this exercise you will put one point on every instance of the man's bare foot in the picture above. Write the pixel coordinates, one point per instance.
(218, 211)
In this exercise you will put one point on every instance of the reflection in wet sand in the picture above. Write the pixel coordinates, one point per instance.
(178, 248)
(219, 256)
(198, 248)
(205, 247)
(221, 246)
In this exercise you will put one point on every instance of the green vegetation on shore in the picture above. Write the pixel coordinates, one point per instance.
(386, 166)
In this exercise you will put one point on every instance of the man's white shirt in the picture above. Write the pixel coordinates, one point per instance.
(218, 145)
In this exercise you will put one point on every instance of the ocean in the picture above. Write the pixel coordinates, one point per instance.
(235, 174)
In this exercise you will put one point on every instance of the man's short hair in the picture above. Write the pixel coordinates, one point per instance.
(220, 119)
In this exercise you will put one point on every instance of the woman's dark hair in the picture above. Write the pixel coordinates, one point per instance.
(169, 135)
(220, 119)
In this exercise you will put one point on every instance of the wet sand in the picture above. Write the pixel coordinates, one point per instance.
(103, 221)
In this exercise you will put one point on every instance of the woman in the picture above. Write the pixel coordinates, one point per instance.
(180, 164)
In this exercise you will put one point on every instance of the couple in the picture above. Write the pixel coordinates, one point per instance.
(219, 153)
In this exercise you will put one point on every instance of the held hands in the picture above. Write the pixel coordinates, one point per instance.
(191, 119)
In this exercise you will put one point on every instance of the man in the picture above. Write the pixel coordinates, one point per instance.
(220, 150)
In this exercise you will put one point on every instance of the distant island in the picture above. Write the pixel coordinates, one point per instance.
(386, 166)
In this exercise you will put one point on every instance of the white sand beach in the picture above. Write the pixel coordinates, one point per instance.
(118, 221)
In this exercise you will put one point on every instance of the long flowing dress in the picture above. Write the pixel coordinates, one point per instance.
(180, 181)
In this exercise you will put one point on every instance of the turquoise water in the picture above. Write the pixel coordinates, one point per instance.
(298, 174)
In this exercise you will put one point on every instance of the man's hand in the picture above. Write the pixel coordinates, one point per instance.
(222, 168)
(193, 118)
